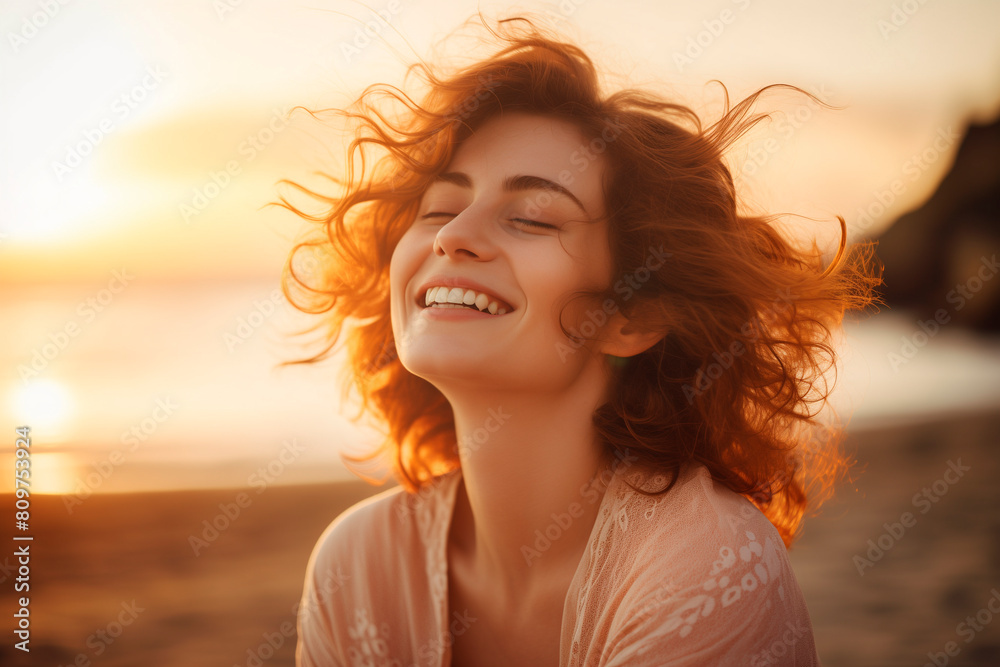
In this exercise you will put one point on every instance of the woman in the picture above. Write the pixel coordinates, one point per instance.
(596, 373)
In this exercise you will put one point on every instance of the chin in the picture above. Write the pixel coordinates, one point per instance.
(426, 360)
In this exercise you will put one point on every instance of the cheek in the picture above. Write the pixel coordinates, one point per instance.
(400, 272)
(573, 300)
(557, 295)
(406, 257)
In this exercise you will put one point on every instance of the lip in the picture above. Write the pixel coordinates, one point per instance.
(457, 314)
(454, 281)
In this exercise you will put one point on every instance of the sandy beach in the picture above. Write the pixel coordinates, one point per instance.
(138, 579)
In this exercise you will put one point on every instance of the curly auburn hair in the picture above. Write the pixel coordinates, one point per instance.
(737, 380)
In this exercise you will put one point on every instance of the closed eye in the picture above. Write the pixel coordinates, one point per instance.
(523, 221)
(533, 223)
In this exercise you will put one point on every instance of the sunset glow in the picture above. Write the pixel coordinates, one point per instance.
(52, 473)
(44, 405)
(147, 140)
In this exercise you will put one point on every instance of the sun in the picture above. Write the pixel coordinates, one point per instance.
(44, 406)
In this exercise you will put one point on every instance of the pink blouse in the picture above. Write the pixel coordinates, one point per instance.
(696, 576)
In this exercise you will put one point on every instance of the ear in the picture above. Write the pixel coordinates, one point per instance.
(623, 339)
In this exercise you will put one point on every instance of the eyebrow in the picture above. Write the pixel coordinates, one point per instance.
(518, 183)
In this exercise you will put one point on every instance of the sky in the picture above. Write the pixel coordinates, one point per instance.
(120, 114)
(142, 143)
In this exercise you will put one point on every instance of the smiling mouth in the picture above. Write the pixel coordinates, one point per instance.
(458, 298)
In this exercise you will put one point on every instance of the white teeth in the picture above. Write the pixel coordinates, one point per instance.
(460, 296)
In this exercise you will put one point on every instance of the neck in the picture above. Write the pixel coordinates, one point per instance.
(533, 475)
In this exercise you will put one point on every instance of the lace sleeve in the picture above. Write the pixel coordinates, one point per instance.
(748, 611)
(317, 645)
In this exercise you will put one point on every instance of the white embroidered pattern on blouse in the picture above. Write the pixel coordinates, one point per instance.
(370, 644)
(731, 587)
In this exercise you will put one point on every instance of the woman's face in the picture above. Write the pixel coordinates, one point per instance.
(476, 229)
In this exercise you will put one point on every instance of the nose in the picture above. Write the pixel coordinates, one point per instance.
(465, 234)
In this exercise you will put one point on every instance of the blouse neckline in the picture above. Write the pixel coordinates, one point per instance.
(438, 553)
